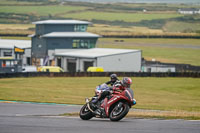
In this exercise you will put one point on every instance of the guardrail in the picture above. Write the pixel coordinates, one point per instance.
(125, 36)
(101, 74)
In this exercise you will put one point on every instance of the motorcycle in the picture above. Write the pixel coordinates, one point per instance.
(115, 106)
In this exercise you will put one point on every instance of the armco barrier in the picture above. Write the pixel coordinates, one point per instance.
(100, 74)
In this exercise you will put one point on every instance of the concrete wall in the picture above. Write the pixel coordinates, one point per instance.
(128, 62)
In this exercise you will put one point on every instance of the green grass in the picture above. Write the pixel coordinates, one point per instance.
(154, 41)
(165, 54)
(127, 17)
(40, 10)
(182, 94)
(14, 2)
(120, 14)
(79, 13)
(181, 27)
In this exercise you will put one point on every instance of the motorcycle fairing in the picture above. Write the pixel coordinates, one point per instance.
(108, 103)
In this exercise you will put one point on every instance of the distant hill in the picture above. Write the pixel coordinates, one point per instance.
(141, 1)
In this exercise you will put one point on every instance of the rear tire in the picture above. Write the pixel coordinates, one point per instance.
(85, 113)
(119, 113)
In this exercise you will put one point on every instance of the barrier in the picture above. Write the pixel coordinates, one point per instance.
(100, 74)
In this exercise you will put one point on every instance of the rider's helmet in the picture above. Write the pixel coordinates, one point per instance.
(113, 77)
(126, 82)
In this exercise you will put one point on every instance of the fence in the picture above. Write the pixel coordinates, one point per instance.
(101, 74)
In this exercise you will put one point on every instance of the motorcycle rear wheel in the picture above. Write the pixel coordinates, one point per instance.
(85, 113)
(119, 113)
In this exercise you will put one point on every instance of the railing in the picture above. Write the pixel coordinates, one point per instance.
(101, 74)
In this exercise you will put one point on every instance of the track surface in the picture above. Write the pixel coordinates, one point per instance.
(35, 118)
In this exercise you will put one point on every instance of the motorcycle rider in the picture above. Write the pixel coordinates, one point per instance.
(125, 83)
(118, 85)
(113, 79)
(102, 95)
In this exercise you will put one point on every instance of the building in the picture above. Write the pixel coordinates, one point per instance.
(112, 60)
(189, 11)
(59, 34)
(158, 68)
(7, 49)
(66, 43)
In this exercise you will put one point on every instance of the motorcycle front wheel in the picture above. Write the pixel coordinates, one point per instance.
(85, 113)
(118, 113)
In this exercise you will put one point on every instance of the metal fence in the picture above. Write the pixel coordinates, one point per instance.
(101, 74)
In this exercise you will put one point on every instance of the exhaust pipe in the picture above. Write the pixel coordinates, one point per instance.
(88, 105)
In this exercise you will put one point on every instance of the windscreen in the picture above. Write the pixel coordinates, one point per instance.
(129, 93)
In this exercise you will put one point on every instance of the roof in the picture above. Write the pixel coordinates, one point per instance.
(10, 44)
(71, 34)
(189, 9)
(61, 22)
(95, 52)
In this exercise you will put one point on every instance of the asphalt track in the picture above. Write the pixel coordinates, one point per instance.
(43, 118)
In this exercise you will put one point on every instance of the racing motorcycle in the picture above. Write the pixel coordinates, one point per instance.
(115, 106)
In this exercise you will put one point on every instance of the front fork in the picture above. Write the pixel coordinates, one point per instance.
(87, 100)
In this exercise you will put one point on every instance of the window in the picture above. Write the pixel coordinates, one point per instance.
(39, 46)
(75, 43)
(80, 28)
(83, 43)
(7, 54)
(7, 63)
(83, 27)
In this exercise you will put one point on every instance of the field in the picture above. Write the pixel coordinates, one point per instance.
(165, 50)
(181, 27)
(127, 17)
(184, 51)
(181, 94)
(39, 10)
(162, 17)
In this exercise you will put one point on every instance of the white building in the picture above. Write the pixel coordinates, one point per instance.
(117, 60)
(78, 60)
(7, 49)
(189, 11)
(158, 68)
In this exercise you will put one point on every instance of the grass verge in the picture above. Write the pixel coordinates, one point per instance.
(155, 114)
(166, 115)
(180, 96)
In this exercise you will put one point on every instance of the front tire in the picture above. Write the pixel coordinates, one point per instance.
(119, 113)
(85, 113)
